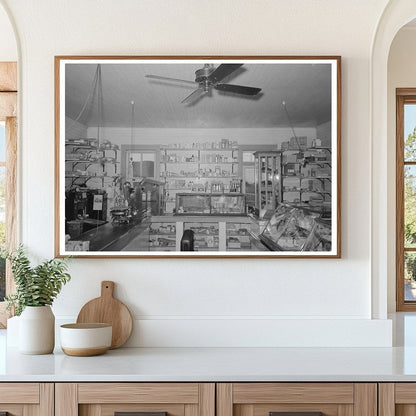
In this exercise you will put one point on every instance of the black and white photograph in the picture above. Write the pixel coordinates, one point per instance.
(198, 157)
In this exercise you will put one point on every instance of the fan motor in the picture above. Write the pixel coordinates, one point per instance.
(202, 74)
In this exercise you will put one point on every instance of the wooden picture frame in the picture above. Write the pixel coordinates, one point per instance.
(198, 156)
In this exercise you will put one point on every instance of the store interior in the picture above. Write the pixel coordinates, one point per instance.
(146, 171)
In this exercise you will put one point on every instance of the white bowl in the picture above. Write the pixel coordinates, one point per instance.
(84, 340)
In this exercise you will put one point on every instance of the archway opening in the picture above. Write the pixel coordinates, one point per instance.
(401, 186)
(8, 151)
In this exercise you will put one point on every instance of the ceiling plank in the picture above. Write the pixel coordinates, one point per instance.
(8, 76)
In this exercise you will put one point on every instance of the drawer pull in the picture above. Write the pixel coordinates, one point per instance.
(295, 413)
(139, 414)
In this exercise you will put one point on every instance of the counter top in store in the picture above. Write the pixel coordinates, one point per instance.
(203, 218)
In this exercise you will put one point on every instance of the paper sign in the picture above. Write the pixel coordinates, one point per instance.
(98, 203)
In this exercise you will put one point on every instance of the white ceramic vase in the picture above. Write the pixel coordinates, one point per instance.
(37, 330)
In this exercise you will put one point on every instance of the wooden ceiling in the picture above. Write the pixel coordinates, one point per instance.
(304, 87)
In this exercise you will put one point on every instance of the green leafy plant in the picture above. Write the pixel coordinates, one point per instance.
(35, 285)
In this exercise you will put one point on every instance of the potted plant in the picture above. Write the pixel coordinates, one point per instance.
(36, 289)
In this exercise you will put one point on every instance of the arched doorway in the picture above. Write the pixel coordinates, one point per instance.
(8, 149)
(395, 16)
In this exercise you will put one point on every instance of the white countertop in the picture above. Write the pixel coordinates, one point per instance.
(222, 364)
(215, 364)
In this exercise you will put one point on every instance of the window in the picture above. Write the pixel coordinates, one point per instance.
(2, 206)
(141, 164)
(8, 166)
(406, 200)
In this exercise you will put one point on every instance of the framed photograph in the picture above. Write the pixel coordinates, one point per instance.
(198, 156)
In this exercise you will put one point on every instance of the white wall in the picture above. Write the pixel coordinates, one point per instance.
(401, 74)
(157, 136)
(212, 302)
(323, 132)
(8, 47)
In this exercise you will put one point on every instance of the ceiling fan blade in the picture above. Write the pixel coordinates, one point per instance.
(170, 79)
(223, 71)
(193, 96)
(237, 89)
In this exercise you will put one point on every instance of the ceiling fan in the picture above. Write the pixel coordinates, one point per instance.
(210, 77)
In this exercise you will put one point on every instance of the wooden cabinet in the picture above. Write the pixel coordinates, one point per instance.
(297, 399)
(107, 399)
(397, 399)
(208, 399)
(27, 399)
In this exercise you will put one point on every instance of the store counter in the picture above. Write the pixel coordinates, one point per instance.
(109, 236)
(212, 232)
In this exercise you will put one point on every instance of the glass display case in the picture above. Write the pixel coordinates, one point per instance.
(195, 204)
(293, 228)
(267, 181)
(238, 236)
(210, 204)
(227, 204)
(162, 236)
(206, 235)
(320, 237)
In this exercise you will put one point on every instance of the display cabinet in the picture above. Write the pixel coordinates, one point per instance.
(267, 181)
(195, 204)
(199, 167)
(211, 232)
(238, 236)
(162, 236)
(227, 204)
(206, 235)
(210, 204)
(320, 237)
(306, 176)
(293, 228)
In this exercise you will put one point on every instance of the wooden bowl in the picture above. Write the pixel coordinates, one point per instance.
(84, 340)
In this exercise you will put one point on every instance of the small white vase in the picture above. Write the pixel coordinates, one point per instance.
(37, 330)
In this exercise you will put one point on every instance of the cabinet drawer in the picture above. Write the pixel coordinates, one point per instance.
(145, 399)
(397, 399)
(297, 399)
(21, 399)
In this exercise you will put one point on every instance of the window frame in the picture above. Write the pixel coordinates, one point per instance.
(8, 113)
(403, 96)
(129, 175)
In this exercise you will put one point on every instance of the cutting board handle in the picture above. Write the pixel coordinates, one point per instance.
(107, 289)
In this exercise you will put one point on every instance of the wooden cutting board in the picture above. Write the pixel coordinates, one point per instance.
(107, 309)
